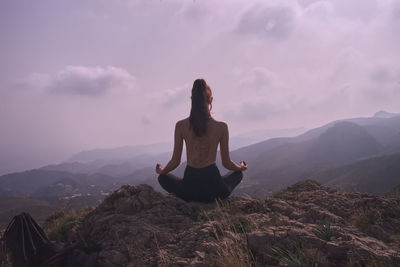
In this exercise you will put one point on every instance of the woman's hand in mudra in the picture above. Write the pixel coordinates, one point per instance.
(159, 168)
(243, 165)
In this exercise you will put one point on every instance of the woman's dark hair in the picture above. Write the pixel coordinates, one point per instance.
(199, 113)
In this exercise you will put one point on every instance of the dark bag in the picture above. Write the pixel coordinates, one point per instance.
(27, 242)
(30, 247)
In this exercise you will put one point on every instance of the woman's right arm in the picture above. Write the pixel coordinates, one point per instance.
(176, 155)
(224, 147)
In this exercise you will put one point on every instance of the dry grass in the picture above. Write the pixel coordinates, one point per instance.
(136, 259)
(365, 218)
(325, 232)
(358, 260)
(59, 225)
(233, 250)
(297, 257)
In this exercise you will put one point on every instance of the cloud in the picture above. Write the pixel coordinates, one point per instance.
(87, 81)
(260, 84)
(258, 78)
(396, 11)
(34, 81)
(306, 3)
(145, 120)
(267, 21)
(319, 10)
(380, 75)
(251, 112)
(81, 80)
(195, 11)
(349, 64)
(262, 96)
(363, 10)
(174, 97)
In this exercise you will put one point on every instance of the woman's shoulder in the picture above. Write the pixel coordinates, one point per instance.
(220, 124)
(182, 122)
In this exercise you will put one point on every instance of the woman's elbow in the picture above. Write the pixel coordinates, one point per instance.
(176, 163)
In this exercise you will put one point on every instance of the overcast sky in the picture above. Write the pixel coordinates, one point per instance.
(87, 74)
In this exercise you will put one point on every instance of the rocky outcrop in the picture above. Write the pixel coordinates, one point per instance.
(305, 224)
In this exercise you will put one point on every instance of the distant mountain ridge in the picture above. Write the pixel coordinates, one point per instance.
(279, 162)
(27, 184)
(339, 152)
(120, 153)
(384, 127)
(377, 175)
(275, 162)
(115, 168)
(384, 114)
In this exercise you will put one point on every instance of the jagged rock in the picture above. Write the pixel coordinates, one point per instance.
(304, 186)
(136, 226)
(129, 200)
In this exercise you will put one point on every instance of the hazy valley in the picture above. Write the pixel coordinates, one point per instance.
(358, 155)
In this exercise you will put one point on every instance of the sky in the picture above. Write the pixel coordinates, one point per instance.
(78, 75)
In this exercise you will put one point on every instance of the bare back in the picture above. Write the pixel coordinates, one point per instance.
(201, 151)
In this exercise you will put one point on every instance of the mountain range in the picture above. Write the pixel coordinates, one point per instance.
(278, 162)
(356, 154)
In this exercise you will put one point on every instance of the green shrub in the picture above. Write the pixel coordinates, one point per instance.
(241, 224)
(365, 218)
(193, 211)
(279, 194)
(59, 225)
(324, 232)
(356, 260)
(296, 258)
(232, 244)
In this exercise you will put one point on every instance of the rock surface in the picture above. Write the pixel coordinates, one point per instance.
(306, 224)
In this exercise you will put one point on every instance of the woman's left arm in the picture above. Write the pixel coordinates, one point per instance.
(177, 154)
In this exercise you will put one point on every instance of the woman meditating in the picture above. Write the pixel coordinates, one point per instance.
(202, 180)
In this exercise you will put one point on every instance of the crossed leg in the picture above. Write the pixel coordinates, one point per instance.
(232, 179)
(170, 183)
(174, 184)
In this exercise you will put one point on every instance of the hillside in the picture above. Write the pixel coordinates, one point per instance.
(10, 206)
(375, 175)
(323, 153)
(120, 153)
(335, 143)
(343, 142)
(306, 224)
(115, 167)
(277, 163)
(40, 192)
(31, 182)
